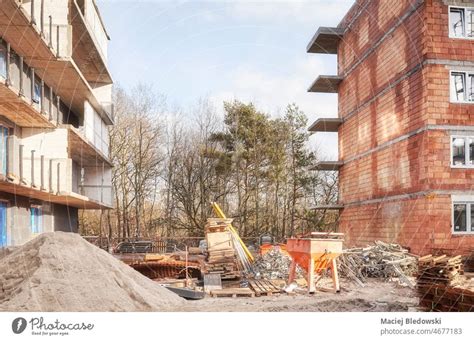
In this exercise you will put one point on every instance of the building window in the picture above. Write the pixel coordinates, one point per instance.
(461, 22)
(3, 61)
(3, 224)
(3, 149)
(462, 151)
(463, 217)
(37, 92)
(462, 86)
(36, 217)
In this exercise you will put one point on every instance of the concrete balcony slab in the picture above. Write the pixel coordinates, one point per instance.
(325, 40)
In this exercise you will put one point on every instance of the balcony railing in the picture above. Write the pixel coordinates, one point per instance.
(56, 176)
(102, 194)
(93, 22)
(56, 36)
(109, 110)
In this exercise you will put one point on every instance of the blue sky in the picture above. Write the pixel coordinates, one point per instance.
(248, 50)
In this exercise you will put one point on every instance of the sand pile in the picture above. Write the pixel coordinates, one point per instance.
(62, 272)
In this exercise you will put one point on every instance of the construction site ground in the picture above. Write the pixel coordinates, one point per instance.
(377, 295)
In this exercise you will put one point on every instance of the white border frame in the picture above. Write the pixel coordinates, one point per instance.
(452, 100)
(469, 201)
(465, 21)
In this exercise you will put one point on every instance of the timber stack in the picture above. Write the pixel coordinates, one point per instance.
(440, 284)
(380, 260)
(221, 256)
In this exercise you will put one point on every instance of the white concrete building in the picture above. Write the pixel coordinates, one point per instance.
(55, 110)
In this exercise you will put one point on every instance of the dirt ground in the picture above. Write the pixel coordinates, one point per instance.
(376, 296)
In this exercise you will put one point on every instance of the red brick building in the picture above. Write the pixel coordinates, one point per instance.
(405, 88)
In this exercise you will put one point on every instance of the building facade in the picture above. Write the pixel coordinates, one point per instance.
(55, 110)
(405, 122)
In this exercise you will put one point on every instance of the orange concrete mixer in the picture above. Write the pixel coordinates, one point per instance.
(315, 254)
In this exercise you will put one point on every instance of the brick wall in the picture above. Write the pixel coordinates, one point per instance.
(437, 43)
(420, 163)
(396, 90)
(422, 224)
(400, 110)
(397, 54)
(376, 18)
(391, 171)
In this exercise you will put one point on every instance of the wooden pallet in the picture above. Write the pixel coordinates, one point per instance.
(233, 292)
(263, 287)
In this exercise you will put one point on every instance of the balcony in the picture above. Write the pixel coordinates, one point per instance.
(328, 207)
(56, 180)
(326, 40)
(89, 41)
(31, 33)
(20, 109)
(328, 165)
(326, 84)
(83, 151)
(326, 125)
(47, 47)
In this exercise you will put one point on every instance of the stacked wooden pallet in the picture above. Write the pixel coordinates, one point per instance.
(439, 282)
(217, 224)
(221, 257)
(439, 270)
(264, 287)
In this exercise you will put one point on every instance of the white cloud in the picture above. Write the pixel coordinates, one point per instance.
(315, 11)
(271, 93)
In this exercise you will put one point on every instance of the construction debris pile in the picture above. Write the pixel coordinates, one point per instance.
(274, 264)
(221, 256)
(442, 286)
(61, 271)
(381, 260)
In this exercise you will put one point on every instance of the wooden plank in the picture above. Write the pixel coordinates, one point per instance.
(233, 292)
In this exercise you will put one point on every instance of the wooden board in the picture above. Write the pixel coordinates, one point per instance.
(233, 292)
(218, 241)
(264, 287)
